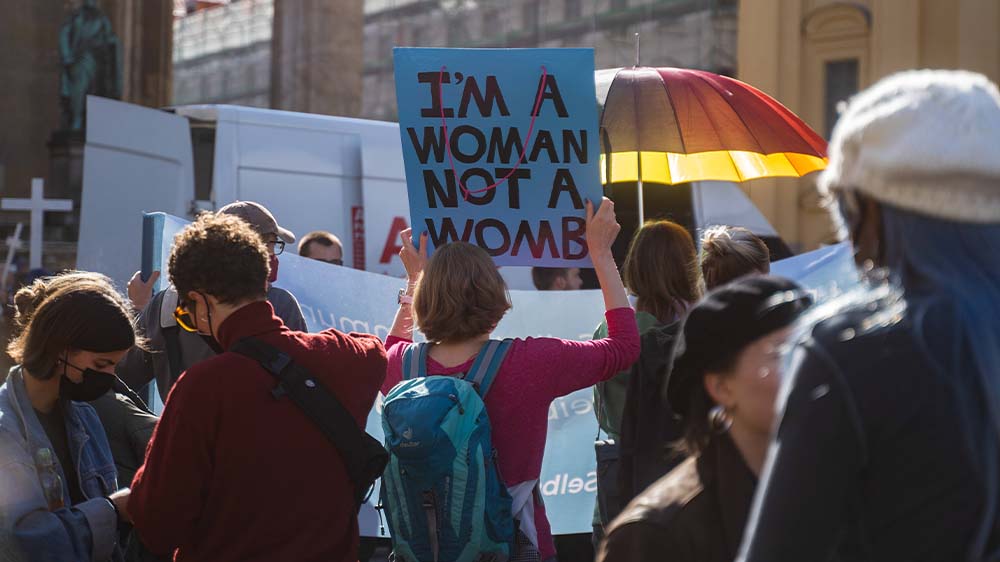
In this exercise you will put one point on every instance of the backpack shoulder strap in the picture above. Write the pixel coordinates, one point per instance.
(415, 360)
(487, 364)
(363, 456)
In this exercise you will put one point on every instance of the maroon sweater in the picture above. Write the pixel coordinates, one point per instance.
(233, 474)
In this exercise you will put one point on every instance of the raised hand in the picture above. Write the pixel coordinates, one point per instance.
(414, 259)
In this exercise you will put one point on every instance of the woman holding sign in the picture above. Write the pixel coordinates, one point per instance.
(456, 299)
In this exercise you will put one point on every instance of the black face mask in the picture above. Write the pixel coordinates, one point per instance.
(94, 385)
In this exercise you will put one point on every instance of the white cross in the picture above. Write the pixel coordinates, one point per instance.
(38, 204)
(13, 245)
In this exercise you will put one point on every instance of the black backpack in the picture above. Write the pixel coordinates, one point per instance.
(649, 426)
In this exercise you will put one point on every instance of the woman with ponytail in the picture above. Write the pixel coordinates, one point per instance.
(58, 483)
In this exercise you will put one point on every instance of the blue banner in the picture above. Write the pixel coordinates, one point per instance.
(501, 149)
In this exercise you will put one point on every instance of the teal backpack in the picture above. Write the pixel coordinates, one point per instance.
(441, 491)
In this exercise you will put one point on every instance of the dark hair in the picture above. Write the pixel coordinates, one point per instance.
(661, 269)
(220, 255)
(730, 252)
(74, 311)
(544, 277)
(320, 237)
(460, 295)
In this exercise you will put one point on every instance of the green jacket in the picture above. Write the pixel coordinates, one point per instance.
(609, 396)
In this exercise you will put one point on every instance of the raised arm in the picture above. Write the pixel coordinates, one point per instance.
(414, 260)
(602, 229)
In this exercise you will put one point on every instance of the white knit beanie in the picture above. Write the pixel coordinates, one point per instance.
(926, 141)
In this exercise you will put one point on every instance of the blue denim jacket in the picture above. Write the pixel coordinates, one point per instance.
(82, 532)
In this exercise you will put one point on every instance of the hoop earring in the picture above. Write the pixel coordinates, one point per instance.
(718, 420)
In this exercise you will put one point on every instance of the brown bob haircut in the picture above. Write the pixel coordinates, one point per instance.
(661, 270)
(730, 252)
(460, 295)
(73, 311)
(220, 255)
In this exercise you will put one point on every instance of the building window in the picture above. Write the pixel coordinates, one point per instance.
(571, 10)
(841, 82)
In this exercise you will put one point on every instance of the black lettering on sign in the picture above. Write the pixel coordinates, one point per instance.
(535, 245)
(513, 184)
(579, 147)
(504, 147)
(543, 141)
(551, 93)
(456, 144)
(447, 194)
(501, 228)
(447, 233)
(564, 182)
(484, 103)
(435, 79)
(477, 195)
(433, 142)
(573, 229)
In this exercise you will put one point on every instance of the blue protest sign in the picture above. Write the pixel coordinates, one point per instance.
(501, 149)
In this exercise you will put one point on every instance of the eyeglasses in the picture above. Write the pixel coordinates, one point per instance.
(184, 318)
(276, 246)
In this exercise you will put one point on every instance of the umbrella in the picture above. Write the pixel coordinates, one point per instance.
(675, 125)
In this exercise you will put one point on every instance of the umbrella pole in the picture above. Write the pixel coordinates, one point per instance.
(642, 211)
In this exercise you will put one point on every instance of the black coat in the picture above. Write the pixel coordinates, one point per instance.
(878, 451)
(694, 514)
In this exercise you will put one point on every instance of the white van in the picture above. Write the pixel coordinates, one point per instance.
(314, 172)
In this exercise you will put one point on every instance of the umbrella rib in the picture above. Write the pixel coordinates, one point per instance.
(673, 109)
(746, 127)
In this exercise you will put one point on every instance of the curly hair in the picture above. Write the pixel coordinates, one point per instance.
(220, 255)
(460, 295)
(77, 310)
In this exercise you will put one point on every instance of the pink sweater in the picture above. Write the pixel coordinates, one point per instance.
(535, 372)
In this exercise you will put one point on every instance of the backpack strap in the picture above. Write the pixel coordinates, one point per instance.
(363, 456)
(415, 360)
(487, 364)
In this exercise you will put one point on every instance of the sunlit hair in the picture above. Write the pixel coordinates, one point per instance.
(460, 295)
(661, 270)
(730, 252)
(77, 310)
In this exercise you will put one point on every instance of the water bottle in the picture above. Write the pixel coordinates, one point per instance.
(48, 475)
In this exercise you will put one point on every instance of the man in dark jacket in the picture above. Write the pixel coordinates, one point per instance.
(172, 350)
(233, 473)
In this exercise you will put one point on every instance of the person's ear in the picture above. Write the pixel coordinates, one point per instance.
(717, 387)
(559, 284)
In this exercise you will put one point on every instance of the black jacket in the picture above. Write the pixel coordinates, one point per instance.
(696, 513)
(878, 451)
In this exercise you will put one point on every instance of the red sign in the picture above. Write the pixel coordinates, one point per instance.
(358, 236)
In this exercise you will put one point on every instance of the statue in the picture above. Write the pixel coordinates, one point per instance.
(91, 61)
